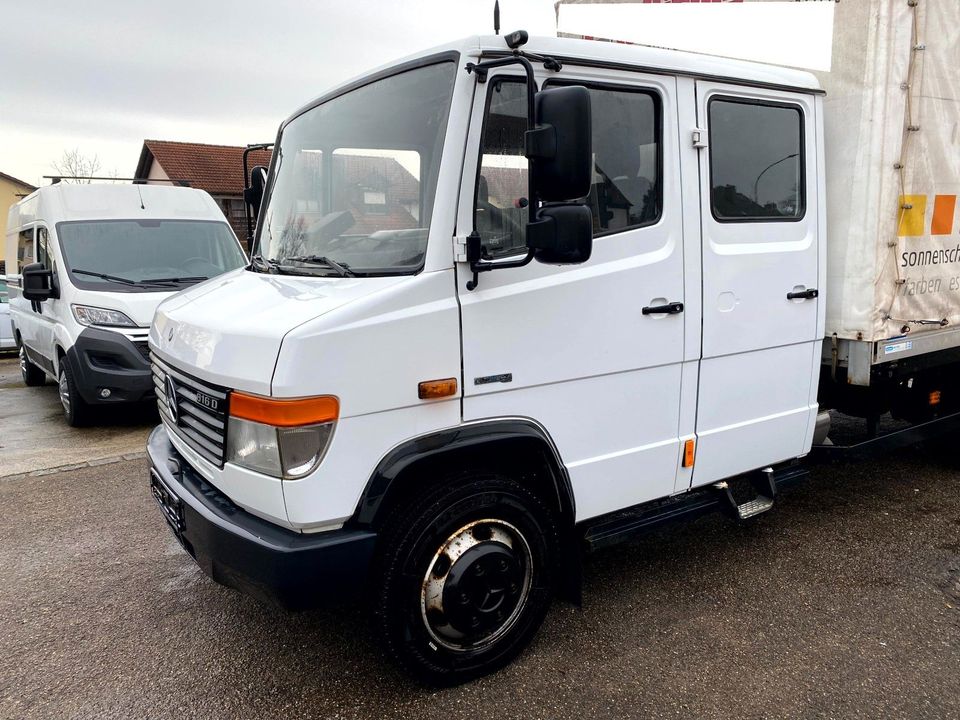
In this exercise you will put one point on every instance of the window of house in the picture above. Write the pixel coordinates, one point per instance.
(756, 161)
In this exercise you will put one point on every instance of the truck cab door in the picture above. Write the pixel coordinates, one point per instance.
(762, 229)
(46, 311)
(593, 352)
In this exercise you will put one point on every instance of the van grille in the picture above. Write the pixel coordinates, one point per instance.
(200, 415)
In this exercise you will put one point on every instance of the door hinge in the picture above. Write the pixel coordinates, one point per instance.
(699, 137)
(460, 248)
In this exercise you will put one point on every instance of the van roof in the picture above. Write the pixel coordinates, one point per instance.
(56, 203)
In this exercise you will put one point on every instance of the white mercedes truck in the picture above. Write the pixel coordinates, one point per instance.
(513, 299)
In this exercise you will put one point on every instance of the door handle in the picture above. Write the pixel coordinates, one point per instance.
(668, 309)
(803, 295)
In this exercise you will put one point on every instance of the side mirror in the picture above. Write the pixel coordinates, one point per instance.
(561, 234)
(560, 147)
(37, 283)
(253, 195)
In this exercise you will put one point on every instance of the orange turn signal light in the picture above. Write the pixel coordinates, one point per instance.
(688, 452)
(284, 413)
(430, 389)
(934, 397)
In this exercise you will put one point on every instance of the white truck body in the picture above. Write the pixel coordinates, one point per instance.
(402, 328)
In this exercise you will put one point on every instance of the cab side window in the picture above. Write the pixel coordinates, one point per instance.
(25, 250)
(500, 215)
(43, 255)
(756, 161)
(626, 191)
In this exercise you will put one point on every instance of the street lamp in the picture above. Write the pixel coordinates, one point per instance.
(757, 181)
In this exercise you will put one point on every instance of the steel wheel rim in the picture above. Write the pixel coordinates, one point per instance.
(490, 541)
(64, 388)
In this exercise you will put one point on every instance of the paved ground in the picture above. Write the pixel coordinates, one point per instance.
(840, 603)
(34, 437)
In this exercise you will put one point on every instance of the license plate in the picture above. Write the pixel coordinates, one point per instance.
(170, 504)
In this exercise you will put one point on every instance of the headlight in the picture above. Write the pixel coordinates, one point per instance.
(281, 438)
(87, 315)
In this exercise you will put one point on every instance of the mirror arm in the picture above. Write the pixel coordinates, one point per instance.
(474, 248)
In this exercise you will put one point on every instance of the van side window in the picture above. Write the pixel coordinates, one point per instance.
(756, 161)
(43, 256)
(25, 253)
(626, 191)
(500, 214)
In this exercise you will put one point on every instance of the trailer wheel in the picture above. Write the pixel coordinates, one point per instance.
(31, 374)
(465, 578)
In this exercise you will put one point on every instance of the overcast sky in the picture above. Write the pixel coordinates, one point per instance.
(102, 75)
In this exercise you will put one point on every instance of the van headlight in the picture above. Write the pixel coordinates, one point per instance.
(88, 315)
(281, 438)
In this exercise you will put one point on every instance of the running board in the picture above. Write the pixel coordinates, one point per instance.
(764, 489)
(627, 524)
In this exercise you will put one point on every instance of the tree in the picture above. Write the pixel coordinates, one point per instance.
(76, 167)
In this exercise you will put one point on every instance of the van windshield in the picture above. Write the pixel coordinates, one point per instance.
(354, 179)
(146, 255)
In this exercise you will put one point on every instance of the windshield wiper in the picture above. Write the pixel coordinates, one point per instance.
(195, 278)
(104, 276)
(260, 264)
(342, 269)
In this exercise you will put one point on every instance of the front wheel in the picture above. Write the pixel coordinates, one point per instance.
(75, 410)
(31, 374)
(466, 577)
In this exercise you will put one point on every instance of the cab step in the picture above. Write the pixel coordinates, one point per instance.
(749, 496)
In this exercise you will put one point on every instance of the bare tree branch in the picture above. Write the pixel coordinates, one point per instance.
(76, 166)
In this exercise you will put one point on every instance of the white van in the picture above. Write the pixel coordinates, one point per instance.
(443, 376)
(88, 265)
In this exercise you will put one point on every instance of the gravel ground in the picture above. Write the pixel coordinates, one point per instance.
(840, 603)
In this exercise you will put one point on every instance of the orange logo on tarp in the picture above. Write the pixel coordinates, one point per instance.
(913, 215)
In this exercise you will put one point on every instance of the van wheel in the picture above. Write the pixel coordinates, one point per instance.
(31, 374)
(75, 409)
(465, 578)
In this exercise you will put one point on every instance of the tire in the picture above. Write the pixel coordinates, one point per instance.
(440, 617)
(75, 409)
(31, 374)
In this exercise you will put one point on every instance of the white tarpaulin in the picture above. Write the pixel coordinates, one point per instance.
(893, 99)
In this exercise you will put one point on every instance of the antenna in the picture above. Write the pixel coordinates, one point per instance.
(496, 17)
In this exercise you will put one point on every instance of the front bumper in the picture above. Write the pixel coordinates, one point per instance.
(105, 359)
(241, 551)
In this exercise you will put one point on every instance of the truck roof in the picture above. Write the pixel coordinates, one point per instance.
(55, 203)
(576, 51)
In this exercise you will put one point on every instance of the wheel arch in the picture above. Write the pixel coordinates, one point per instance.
(503, 444)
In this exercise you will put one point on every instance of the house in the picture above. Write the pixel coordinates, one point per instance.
(217, 169)
(12, 191)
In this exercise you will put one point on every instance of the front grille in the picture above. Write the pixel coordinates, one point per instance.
(200, 416)
(143, 348)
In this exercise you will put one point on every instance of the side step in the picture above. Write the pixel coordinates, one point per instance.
(764, 492)
(627, 524)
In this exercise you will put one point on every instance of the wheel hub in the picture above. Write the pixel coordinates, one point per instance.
(476, 585)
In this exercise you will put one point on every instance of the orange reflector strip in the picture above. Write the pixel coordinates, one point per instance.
(943, 209)
(284, 413)
(935, 397)
(688, 448)
(430, 389)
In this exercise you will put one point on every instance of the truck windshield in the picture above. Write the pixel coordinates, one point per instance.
(354, 179)
(146, 255)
